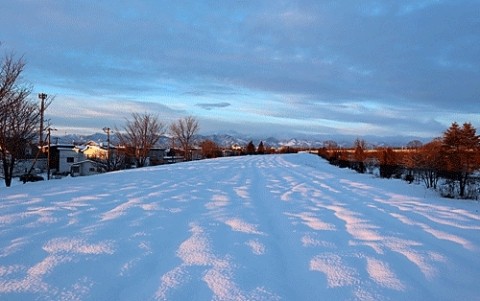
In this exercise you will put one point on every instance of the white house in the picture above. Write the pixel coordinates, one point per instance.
(86, 168)
(62, 157)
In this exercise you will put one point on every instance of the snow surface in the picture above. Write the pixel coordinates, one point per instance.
(277, 227)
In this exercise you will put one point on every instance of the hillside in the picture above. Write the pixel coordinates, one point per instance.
(279, 227)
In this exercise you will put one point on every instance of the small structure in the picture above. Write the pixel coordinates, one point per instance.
(156, 155)
(87, 168)
(196, 153)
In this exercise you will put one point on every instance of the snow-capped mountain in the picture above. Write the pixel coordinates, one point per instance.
(223, 140)
(229, 139)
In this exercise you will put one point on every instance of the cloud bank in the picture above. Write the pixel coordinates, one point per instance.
(369, 67)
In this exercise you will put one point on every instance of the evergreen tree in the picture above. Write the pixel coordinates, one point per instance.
(261, 148)
(250, 148)
(460, 146)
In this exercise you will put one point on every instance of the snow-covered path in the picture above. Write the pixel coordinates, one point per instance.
(280, 227)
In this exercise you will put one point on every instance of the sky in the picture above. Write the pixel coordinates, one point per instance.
(276, 68)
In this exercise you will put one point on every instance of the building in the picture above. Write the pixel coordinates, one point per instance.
(156, 156)
(93, 150)
(62, 157)
(87, 168)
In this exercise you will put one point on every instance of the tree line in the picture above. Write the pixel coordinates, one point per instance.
(20, 118)
(449, 164)
(142, 132)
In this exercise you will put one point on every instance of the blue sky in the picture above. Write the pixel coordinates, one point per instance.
(284, 68)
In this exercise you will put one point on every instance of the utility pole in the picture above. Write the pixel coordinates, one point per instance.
(107, 130)
(172, 151)
(49, 131)
(42, 97)
(48, 154)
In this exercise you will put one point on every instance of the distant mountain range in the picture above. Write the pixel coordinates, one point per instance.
(229, 139)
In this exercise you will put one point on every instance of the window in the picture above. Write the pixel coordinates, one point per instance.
(70, 159)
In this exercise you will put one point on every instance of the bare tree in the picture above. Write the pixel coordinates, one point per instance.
(359, 155)
(140, 134)
(388, 162)
(430, 162)
(184, 130)
(19, 117)
(411, 159)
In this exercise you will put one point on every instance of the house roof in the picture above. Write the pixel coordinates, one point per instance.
(88, 161)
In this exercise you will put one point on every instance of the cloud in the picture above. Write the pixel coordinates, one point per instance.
(317, 64)
(90, 115)
(210, 106)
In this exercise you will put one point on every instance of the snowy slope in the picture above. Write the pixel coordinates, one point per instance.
(280, 227)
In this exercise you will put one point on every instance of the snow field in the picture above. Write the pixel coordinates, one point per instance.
(277, 227)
